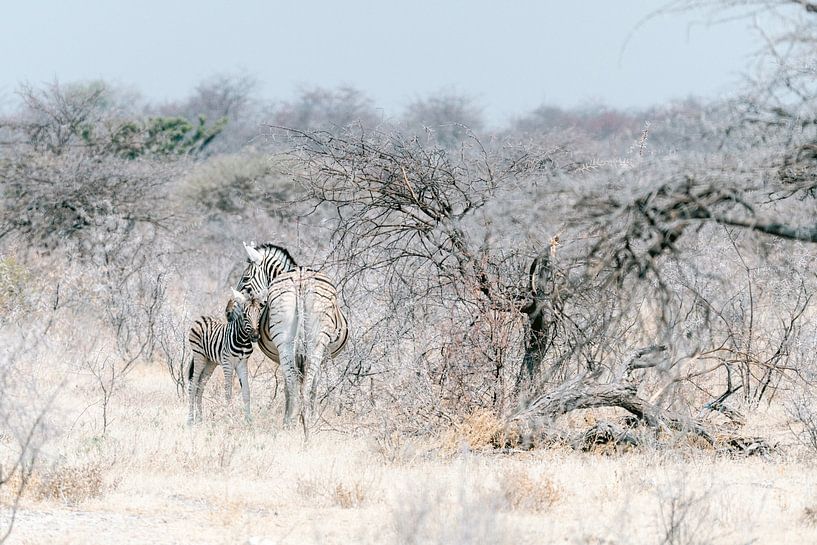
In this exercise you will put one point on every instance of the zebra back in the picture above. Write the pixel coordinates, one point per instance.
(213, 337)
(207, 337)
(292, 287)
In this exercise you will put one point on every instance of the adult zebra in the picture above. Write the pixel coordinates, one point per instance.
(303, 323)
(288, 303)
(264, 264)
(229, 344)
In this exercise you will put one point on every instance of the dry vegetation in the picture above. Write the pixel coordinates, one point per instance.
(593, 327)
(152, 480)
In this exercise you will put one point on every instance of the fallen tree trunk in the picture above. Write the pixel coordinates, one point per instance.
(605, 434)
(584, 392)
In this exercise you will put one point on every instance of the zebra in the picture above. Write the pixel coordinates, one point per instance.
(265, 264)
(229, 344)
(302, 323)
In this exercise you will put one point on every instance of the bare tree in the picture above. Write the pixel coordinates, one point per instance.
(615, 314)
(405, 212)
(227, 100)
(449, 118)
(23, 410)
(327, 109)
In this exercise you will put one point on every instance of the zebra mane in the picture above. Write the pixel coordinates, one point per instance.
(234, 310)
(268, 248)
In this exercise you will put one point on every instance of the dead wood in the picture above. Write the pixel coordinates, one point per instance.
(605, 434)
(744, 446)
(586, 392)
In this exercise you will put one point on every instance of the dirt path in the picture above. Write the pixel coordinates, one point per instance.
(188, 525)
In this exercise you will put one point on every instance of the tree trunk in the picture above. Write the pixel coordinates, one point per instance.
(583, 392)
(541, 331)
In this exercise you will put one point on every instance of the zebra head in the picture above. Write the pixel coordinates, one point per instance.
(248, 311)
(255, 278)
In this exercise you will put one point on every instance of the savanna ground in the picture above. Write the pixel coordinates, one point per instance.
(153, 480)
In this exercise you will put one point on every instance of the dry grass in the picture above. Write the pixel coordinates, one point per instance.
(479, 430)
(70, 485)
(319, 489)
(809, 516)
(350, 496)
(527, 491)
(153, 480)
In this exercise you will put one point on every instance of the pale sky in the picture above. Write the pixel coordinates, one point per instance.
(510, 56)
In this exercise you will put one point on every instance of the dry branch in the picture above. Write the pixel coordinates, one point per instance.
(585, 392)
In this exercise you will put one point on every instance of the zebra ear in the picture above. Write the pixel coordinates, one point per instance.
(238, 296)
(255, 255)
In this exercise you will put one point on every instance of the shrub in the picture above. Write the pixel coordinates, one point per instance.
(480, 429)
(14, 279)
(803, 415)
(69, 484)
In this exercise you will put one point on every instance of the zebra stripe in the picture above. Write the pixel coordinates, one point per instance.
(264, 263)
(228, 344)
(335, 347)
(303, 323)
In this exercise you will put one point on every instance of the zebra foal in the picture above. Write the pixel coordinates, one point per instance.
(228, 344)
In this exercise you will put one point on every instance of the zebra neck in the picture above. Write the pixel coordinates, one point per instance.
(235, 331)
(277, 262)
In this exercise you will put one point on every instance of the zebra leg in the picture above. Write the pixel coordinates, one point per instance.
(245, 387)
(193, 378)
(291, 393)
(227, 367)
(306, 386)
(310, 387)
(209, 367)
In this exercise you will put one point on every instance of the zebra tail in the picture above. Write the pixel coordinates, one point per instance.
(300, 342)
(190, 371)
